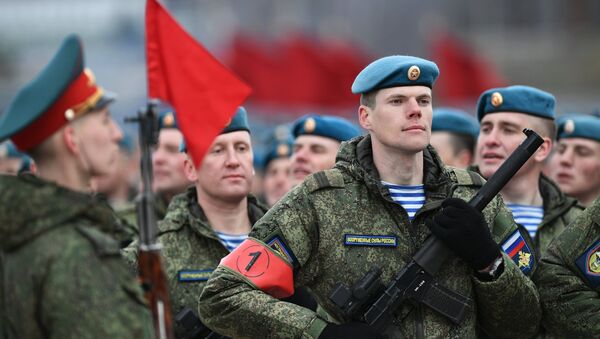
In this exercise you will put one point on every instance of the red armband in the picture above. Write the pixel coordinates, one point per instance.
(263, 267)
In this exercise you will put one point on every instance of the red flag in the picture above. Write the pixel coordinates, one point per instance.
(204, 93)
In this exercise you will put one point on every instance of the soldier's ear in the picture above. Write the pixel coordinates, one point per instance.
(544, 151)
(70, 139)
(364, 117)
(189, 169)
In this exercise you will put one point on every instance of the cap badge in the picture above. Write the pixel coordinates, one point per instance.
(414, 72)
(496, 99)
(282, 150)
(169, 120)
(569, 126)
(309, 125)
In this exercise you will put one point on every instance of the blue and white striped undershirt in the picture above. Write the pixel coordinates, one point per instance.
(411, 197)
(231, 242)
(527, 215)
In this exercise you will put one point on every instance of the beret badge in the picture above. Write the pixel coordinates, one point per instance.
(496, 99)
(414, 72)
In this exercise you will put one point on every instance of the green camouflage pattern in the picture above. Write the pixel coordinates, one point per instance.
(571, 305)
(190, 244)
(128, 212)
(61, 272)
(559, 211)
(313, 218)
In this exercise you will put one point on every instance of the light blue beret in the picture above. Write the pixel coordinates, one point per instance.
(395, 71)
(278, 149)
(579, 126)
(327, 126)
(167, 119)
(521, 99)
(455, 121)
(239, 122)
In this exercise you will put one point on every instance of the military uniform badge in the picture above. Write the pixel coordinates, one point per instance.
(589, 264)
(516, 248)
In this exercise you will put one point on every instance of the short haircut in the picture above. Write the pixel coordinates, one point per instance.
(368, 99)
(544, 127)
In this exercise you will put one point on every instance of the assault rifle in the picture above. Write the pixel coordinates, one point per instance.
(150, 266)
(372, 302)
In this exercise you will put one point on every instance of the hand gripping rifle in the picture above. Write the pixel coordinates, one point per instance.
(372, 302)
(150, 267)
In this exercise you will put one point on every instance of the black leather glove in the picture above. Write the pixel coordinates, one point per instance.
(350, 330)
(463, 229)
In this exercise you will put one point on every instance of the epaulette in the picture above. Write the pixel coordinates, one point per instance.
(104, 244)
(467, 178)
(323, 179)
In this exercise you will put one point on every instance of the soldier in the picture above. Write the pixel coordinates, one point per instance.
(453, 135)
(340, 222)
(277, 164)
(534, 200)
(568, 278)
(119, 186)
(210, 218)
(577, 162)
(62, 274)
(168, 173)
(12, 161)
(317, 139)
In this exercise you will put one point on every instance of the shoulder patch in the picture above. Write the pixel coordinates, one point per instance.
(589, 264)
(467, 178)
(323, 179)
(103, 243)
(517, 249)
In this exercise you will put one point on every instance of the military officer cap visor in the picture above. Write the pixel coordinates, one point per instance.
(520, 99)
(61, 92)
(579, 126)
(395, 71)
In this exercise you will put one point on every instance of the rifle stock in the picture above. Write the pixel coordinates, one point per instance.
(149, 261)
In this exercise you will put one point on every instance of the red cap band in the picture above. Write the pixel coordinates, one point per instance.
(81, 95)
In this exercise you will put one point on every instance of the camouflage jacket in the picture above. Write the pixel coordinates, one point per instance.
(559, 211)
(61, 272)
(311, 223)
(191, 249)
(568, 277)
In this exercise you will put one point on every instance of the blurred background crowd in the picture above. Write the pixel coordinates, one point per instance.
(301, 56)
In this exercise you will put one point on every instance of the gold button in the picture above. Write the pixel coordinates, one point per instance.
(282, 150)
(69, 114)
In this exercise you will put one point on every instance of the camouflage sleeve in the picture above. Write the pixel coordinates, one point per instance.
(89, 292)
(231, 306)
(508, 307)
(571, 307)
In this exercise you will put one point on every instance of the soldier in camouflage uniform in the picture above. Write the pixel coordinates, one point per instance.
(568, 278)
(219, 202)
(535, 201)
(61, 273)
(339, 223)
